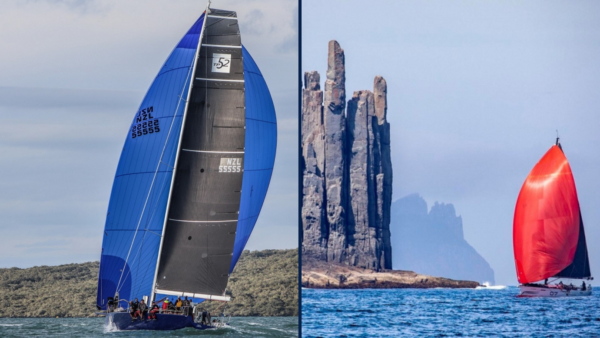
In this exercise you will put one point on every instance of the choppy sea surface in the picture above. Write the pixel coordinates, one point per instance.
(446, 313)
(94, 327)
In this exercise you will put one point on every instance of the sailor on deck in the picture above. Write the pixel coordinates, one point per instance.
(133, 310)
(153, 311)
(142, 309)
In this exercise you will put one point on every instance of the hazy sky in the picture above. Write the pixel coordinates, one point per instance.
(72, 76)
(476, 92)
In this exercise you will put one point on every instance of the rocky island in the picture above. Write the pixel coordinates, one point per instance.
(318, 274)
(432, 241)
(347, 186)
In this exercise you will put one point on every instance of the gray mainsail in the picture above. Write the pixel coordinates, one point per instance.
(202, 219)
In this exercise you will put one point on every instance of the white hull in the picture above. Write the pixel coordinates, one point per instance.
(551, 291)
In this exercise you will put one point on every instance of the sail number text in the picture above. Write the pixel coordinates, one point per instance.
(230, 165)
(145, 123)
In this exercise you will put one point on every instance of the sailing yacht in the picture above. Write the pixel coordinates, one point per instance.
(548, 234)
(191, 180)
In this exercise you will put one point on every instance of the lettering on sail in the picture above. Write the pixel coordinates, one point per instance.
(221, 63)
(231, 165)
(145, 123)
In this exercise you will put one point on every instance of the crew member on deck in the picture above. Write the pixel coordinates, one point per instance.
(204, 317)
(110, 304)
(142, 309)
(153, 311)
(165, 305)
(583, 286)
(186, 307)
(179, 303)
(133, 308)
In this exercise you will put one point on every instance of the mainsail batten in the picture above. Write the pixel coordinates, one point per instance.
(548, 234)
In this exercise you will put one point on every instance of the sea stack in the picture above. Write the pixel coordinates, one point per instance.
(314, 225)
(347, 170)
(335, 149)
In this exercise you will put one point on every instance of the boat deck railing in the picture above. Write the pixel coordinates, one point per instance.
(183, 311)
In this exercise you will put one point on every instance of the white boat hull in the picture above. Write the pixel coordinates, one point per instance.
(551, 291)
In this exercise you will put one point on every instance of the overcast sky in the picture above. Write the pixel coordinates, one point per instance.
(73, 74)
(476, 91)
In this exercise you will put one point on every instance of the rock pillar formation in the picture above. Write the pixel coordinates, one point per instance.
(347, 170)
(384, 174)
(335, 148)
(315, 230)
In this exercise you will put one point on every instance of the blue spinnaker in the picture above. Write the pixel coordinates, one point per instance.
(140, 190)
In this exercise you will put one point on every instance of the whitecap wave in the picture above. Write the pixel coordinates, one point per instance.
(487, 286)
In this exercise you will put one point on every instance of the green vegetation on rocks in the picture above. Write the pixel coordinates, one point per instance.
(49, 291)
(264, 283)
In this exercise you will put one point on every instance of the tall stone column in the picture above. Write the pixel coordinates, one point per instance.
(315, 232)
(335, 150)
(362, 235)
(384, 174)
(347, 170)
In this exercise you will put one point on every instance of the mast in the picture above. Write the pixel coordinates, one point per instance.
(162, 237)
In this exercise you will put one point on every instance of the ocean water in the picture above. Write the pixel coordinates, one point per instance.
(94, 327)
(446, 313)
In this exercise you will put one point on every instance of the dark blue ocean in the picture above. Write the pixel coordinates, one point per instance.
(446, 313)
(94, 327)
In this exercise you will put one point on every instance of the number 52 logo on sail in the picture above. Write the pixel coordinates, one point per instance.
(231, 165)
(221, 63)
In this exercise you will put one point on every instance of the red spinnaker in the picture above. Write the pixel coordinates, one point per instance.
(546, 223)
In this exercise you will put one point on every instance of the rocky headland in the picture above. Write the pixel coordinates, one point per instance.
(319, 274)
(432, 241)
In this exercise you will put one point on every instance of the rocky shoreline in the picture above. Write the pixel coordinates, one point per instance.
(326, 275)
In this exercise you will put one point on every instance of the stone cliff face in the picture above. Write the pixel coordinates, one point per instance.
(432, 242)
(347, 170)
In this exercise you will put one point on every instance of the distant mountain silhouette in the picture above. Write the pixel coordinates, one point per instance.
(432, 242)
